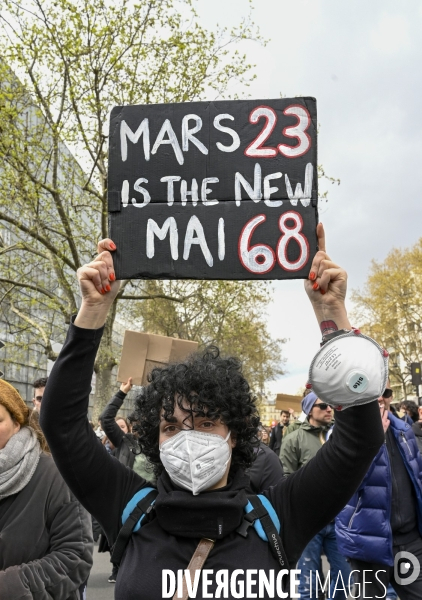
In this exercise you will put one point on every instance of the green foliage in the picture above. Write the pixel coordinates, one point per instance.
(390, 309)
(64, 65)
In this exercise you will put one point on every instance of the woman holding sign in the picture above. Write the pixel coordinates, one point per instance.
(197, 424)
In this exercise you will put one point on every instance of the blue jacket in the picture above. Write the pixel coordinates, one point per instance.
(363, 527)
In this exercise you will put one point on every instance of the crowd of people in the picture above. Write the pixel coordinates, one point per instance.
(193, 477)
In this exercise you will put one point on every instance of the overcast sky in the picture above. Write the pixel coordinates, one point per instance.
(362, 60)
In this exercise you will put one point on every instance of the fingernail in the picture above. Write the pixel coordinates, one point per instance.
(315, 286)
(102, 291)
(322, 292)
(113, 245)
(112, 277)
(107, 288)
(312, 275)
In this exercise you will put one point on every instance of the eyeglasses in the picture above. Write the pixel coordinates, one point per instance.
(322, 405)
(387, 393)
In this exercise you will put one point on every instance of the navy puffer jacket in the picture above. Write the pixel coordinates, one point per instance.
(363, 527)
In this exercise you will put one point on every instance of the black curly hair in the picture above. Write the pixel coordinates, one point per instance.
(204, 385)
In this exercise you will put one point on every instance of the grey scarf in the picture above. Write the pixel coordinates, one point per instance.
(18, 461)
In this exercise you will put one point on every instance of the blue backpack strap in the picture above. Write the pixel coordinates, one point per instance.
(131, 505)
(260, 513)
(133, 515)
(270, 510)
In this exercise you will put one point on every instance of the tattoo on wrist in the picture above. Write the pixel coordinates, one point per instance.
(328, 327)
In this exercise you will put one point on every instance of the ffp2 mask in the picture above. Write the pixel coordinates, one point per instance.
(195, 460)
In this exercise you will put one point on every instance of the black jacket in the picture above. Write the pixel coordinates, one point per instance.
(276, 438)
(417, 430)
(168, 541)
(266, 470)
(123, 443)
(45, 539)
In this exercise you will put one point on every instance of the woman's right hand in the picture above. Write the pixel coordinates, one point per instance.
(99, 287)
(126, 387)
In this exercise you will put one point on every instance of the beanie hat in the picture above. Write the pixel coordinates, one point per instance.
(13, 403)
(308, 402)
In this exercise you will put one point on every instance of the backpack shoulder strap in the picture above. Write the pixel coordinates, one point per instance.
(134, 513)
(261, 514)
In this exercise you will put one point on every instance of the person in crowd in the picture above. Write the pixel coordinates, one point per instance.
(264, 435)
(197, 410)
(45, 534)
(277, 431)
(297, 450)
(117, 428)
(384, 516)
(295, 422)
(39, 387)
(304, 442)
(411, 413)
(417, 429)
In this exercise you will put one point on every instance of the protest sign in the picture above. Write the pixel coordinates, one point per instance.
(142, 352)
(214, 190)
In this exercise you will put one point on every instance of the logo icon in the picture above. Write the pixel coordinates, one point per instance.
(406, 568)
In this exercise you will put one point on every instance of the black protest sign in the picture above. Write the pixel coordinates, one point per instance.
(214, 190)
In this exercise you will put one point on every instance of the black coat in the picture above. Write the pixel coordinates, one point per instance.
(276, 438)
(266, 470)
(45, 539)
(169, 540)
(417, 430)
(124, 443)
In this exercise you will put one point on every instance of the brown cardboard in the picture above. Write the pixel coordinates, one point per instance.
(142, 352)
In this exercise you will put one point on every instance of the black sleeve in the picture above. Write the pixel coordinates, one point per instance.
(99, 481)
(108, 419)
(311, 497)
(272, 438)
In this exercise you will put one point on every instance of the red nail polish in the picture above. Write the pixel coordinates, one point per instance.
(112, 277)
(107, 288)
(322, 292)
(101, 291)
(312, 275)
(315, 286)
(113, 245)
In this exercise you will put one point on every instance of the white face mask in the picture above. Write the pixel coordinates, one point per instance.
(195, 460)
(349, 370)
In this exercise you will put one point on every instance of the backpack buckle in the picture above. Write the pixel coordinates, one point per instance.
(248, 520)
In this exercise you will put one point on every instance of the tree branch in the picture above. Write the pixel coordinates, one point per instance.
(35, 288)
(46, 339)
(36, 236)
(152, 297)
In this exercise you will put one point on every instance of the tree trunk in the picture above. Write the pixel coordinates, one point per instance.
(104, 363)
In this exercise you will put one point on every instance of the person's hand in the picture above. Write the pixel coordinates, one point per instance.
(326, 286)
(126, 387)
(99, 287)
(384, 418)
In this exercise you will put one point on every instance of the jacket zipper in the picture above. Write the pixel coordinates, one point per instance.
(405, 441)
(354, 513)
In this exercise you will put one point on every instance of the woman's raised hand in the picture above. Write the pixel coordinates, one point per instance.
(327, 286)
(99, 287)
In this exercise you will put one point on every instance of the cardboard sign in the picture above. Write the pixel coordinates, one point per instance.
(142, 352)
(214, 190)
